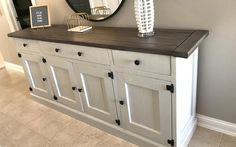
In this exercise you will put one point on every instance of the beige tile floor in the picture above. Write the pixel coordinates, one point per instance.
(25, 123)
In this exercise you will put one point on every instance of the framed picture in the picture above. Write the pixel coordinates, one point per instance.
(40, 16)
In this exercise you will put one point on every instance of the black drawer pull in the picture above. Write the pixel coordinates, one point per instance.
(80, 89)
(55, 98)
(24, 44)
(74, 88)
(44, 79)
(137, 62)
(57, 50)
(80, 53)
(122, 102)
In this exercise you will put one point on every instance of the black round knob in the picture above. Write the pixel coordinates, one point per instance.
(80, 89)
(57, 50)
(122, 102)
(44, 79)
(55, 98)
(74, 88)
(19, 55)
(30, 89)
(137, 62)
(24, 44)
(80, 53)
(44, 60)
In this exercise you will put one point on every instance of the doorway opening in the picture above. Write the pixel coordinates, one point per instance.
(23, 13)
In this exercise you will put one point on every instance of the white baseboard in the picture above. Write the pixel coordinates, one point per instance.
(2, 66)
(217, 125)
(15, 67)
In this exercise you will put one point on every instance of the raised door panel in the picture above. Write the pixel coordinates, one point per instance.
(64, 83)
(98, 93)
(37, 75)
(147, 106)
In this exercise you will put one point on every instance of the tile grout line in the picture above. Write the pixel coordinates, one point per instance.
(220, 139)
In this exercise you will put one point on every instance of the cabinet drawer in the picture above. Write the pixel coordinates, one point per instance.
(145, 62)
(83, 53)
(27, 45)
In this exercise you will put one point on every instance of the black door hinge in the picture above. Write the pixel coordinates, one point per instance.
(44, 60)
(19, 55)
(111, 75)
(118, 122)
(170, 88)
(171, 142)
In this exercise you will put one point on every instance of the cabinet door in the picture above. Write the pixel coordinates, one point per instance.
(98, 93)
(64, 82)
(36, 74)
(147, 106)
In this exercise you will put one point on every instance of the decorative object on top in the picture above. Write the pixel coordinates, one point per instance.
(98, 10)
(78, 22)
(144, 12)
(102, 10)
(40, 16)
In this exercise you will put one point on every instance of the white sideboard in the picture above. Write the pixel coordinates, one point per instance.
(147, 99)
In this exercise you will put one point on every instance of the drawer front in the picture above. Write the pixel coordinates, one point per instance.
(159, 64)
(28, 45)
(82, 53)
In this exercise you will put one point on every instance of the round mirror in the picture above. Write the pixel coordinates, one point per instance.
(98, 10)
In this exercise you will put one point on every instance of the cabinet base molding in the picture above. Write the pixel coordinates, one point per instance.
(109, 128)
(188, 132)
(217, 125)
(15, 67)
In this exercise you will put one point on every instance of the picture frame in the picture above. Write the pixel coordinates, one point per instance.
(40, 16)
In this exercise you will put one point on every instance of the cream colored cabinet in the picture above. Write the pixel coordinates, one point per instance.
(65, 86)
(147, 99)
(35, 71)
(145, 106)
(98, 92)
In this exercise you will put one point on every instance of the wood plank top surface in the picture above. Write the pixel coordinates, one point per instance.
(177, 43)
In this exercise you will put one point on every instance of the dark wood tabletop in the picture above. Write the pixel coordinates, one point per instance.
(178, 43)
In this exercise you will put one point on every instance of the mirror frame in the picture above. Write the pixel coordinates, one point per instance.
(121, 4)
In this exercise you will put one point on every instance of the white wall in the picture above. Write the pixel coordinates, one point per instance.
(7, 46)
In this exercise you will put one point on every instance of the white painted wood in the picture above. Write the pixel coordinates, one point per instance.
(151, 115)
(103, 125)
(89, 54)
(35, 71)
(27, 45)
(147, 109)
(98, 92)
(185, 79)
(148, 62)
(15, 67)
(217, 125)
(63, 79)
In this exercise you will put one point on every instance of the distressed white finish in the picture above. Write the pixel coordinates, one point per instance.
(150, 115)
(89, 54)
(149, 63)
(185, 98)
(147, 108)
(35, 71)
(98, 92)
(62, 77)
